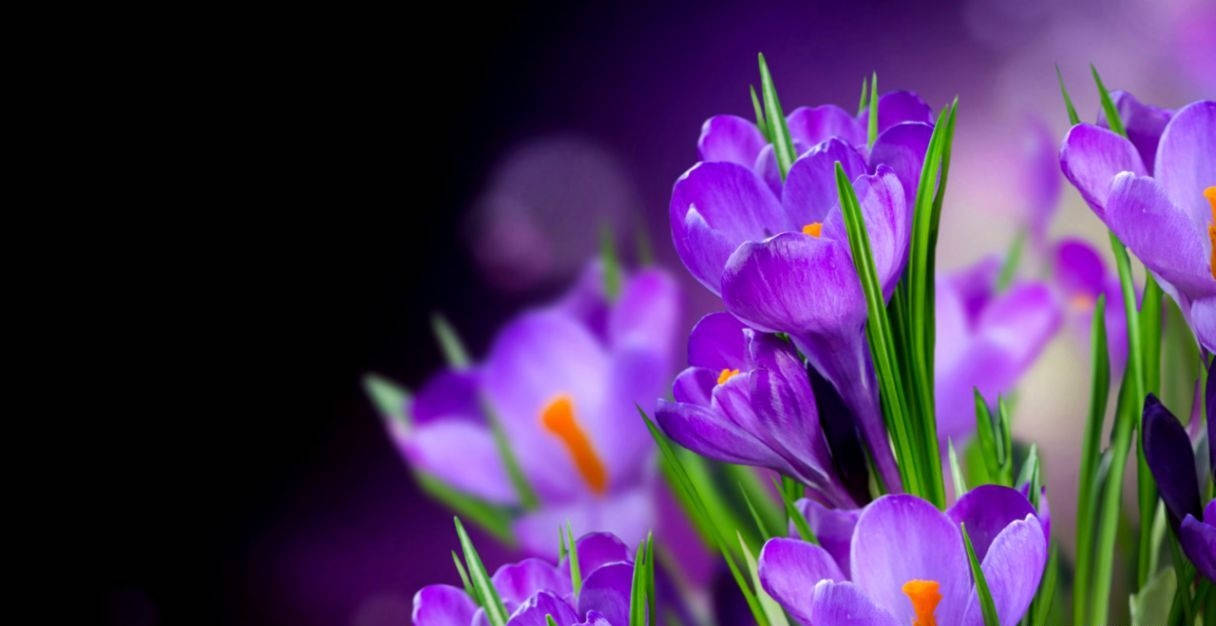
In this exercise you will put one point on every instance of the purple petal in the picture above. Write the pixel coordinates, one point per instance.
(594, 618)
(1091, 157)
(586, 301)
(533, 612)
(976, 285)
(637, 378)
(1157, 231)
(1203, 320)
(627, 513)
(1022, 320)
(843, 604)
(1079, 269)
(888, 222)
(606, 590)
(1143, 123)
(895, 107)
(788, 570)
(730, 138)
(810, 190)
(1186, 159)
(442, 605)
(813, 125)
(708, 432)
(516, 582)
(1013, 567)
(450, 394)
(714, 208)
(596, 550)
(695, 385)
(794, 283)
(1167, 449)
(832, 527)
(1199, 542)
(902, 147)
(1040, 175)
(461, 454)
(647, 312)
(987, 510)
(1044, 513)
(900, 538)
(716, 342)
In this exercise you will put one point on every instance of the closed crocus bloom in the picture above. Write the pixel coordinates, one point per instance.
(746, 399)
(908, 565)
(533, 589)
(563, 382)
(985, 340)
(1080, 277)
(1167, 215)
(1040, 179)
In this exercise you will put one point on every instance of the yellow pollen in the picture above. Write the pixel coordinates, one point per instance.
(924, 595)
(1210, 194)
(813, 229)
(1081, 302)
(726, 375)
(558, 418)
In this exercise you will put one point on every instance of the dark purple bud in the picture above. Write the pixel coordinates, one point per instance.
(1168, 452)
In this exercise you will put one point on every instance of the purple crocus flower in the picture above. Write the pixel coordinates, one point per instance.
(562, 381)
(746, 399)
(1080, 278)
(985, 340)
(1040, 182)
(1162, 214)
(1170, 457)
(907, 563)
(533, 588)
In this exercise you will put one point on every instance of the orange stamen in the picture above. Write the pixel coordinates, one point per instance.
(925, 595)
(558, 418)
(813, 229)
(726, 375)
(1210, 194)
(1081, 302)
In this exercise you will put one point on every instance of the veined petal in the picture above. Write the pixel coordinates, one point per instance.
(1143, 123)
(789, 569)
(1091, 157)
(695, 385)
(810, 188)
(1161, 234)
(903, 147)
(606, 591)
(708, 432)
(533, 612)
(888, 223)
(716, 342)
(1013, 568)
(832, 527)
(843, 604)
(987, 510)
(442, 605)
(895, 107)
(731, 203)
(1186, 159)
(516, 582)
(730, 138)
(811, 125)
(1198, 540)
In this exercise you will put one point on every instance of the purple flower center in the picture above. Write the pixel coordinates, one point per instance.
(558, 418)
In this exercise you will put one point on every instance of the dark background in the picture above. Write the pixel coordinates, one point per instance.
(245, 478)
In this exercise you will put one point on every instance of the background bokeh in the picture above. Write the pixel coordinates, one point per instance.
(522, 131)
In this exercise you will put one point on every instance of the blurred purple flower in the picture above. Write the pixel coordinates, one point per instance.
(1080, 277)
(746, 399)
(907, 563)
(562, 381)
(985, 340)
(1040, 182)
(533, 588)
(1161, 218)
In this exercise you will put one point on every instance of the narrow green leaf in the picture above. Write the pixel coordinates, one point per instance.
(759, 111)
(496, 613)
(561, 541)
(680, 481)
(776, 616)
(1113, 120)
(783, 145)
(1151, 605)
(981, 583)
(610, 263)
(1073, 118)
(389, 399)
(464, 576)
(651, 595)
(576, 574)
(761, 528)
(637, 589)
(1030, 475)
(449, 342)
(1005, 440)
(872, 127)
(956, 472)
(527, 497)
(756, 494)
(1108, 514)
(1091, 445)
(1150, 367)
(794, 515)
(1013, 258)
(492, 518)
(987, 437)
(1040, 607)
(549, 621)
(861, 104)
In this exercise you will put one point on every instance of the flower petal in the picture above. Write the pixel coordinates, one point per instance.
(647, 313)
(597, 549)
(1199, 542)
(987, 510)
(903, 147)
(729, 201)
(442, 605)
(1167, 449)
(708, 432)
(627, 513)
(606, 590)
(533, 612)
(1091, 157)
(810, 190)
(1143, 123)
(450, 394)
(1013, 568)
(813, 125)
(1078, 268)
(716, 342)
(895, 107)
(516, 582)
(888, 223)
(1203, 320)
(730, 138)
(460, 454)
(900, 538)
(695, 385)
(843, 604)
(1157, 231)
(832, 527)
(1186, 159)
(788, 570)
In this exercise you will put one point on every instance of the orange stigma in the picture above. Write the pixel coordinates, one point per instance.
(1210, 194)
(726, 374)
(1081, 302)
(924, 595)
(558, 418)
(813, 229)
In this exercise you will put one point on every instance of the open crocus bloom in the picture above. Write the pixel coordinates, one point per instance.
(1080, 278)
(1170, 457)
(562, 382)
(1167, 219)
(908, 565)
(985, 340)
(746, 399)
(533, 589)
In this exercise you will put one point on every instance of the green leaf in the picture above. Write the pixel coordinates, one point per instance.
(449, 342)
(761, 528)
(576, 574)
(1113, 120)
(1151, 605)
(651, 595)
(389, 399)
(981, 583)
(492, 518)
(776, 616)
(794, 515)
(783, 145)
(484, 590)
(610, 263)
(1005, 440)
(1009, 267)
(759, 111)
(1091, 445)
(681, 482)
(1108, 515)
(956, 472)
(1030, 475)
(1040, 607)
(527, 497)
(756, 495)
(637, 589)
(861, 104)
(987, 437)
(1073, 118)
(549, 621)
(872, 127)
(464, 576)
